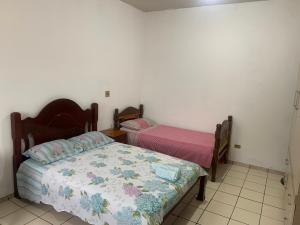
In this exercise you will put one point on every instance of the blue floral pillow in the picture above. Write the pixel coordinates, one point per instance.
(53, 151)
(92, 140)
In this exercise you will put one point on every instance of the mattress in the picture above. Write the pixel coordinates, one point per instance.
(185, 144)
(111, 185)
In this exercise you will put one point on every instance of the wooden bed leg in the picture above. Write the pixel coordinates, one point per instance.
(16, 195)
(226, 156)
(214, 170)
(201, 194)
(215, 159)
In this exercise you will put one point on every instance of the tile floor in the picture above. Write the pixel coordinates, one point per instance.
(241, 196)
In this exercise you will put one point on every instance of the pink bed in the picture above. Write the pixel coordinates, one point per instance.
(205, 149)
(185, 144)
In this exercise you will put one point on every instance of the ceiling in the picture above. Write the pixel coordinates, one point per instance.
(158, 5)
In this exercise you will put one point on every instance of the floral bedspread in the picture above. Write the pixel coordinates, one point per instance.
(114, 185)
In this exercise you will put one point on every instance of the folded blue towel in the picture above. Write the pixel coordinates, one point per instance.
(167, 172)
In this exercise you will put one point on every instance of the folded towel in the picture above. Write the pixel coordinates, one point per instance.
(167, 172)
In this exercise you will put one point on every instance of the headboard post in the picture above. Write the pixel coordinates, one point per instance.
(129, 113)
(141, 110)
(217, 139)
(95, 109)
(230, 118)
(215, 159)
(116, 120)
(16, 132)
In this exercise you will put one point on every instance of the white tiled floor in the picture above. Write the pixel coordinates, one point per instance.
(241, 196)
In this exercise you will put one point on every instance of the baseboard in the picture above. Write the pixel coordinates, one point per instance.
(257, 167)
(5, 198)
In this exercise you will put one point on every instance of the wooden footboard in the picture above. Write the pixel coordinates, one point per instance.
(222, 145)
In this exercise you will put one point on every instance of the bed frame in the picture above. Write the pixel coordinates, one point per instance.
(60, 119)
(222, 135)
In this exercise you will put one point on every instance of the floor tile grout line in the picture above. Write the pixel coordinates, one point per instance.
(257, 192)
(225, 182)
(273, 196)
(261, 212)
(276, 188)
(239, 196)
(252, 190)
(218, 189)
(274, 218)
(67, 220)
(255, 182)
(208, 203)
(212, 198)
(236, 177)
(45, 220)
(243, 187)
(218, 214)
(273, 206)
(39, 216)
(10, 200)
(19, 208)
(248, 209)
(24, 208)
(28, 211)
(224, 202)
(188, 204)
(250, 199)
(239, 222)
(262, 203)
(6, 215)
(31, 221)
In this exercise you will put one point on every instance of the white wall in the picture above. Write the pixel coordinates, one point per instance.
(199, 65)
(205, 63)
(65, 48)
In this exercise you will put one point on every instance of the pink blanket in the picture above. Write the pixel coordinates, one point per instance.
(185, 144)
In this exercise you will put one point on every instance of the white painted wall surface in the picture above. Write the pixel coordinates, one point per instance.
(74, 49)
(192, 62)
(205, 63)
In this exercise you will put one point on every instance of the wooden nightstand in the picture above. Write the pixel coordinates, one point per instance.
(117, 135)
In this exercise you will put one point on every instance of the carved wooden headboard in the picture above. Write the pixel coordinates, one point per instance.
(60, 119)
(129, 113)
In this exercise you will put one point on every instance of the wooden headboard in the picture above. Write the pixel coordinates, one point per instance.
(130, 113)
(60, 119)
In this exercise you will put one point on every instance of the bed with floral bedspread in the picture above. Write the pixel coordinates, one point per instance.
(111, 185)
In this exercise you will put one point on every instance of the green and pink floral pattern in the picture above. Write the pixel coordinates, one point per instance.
(124, 191)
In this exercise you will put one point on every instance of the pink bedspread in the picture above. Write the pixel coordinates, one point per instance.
(185, 144)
